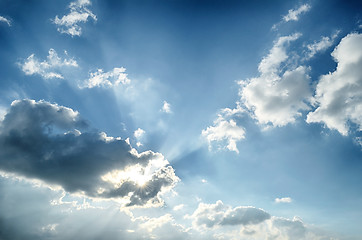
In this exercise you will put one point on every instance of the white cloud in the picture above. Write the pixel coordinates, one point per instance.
(5, 20)
(225, 131)
(48, 68)
(293, 14)
(218, 214)
(69, 24)
(178, 207)
(283, 200)
(277, 97)
(321, 45)
(338, 97)
(139, 133)
(166, 108)
(106, 79)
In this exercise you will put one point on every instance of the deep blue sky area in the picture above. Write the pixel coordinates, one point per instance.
(210, 120)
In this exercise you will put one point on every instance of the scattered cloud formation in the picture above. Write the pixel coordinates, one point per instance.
(41, 140)
(338, 97)
(225, 132)
(219, 214)
(321, 45)
(166, 107)
(79, 13)
(5, 20)
(293, 14)
(113, 78)
(49, 68)
(283, 200)
(281, 92)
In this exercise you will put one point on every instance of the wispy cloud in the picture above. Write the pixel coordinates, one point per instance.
(338, 97)
(115, 77)
(283, 200)
(321, 45)
(293, 14)
(5, 20)
(48, 68)
(79, 13)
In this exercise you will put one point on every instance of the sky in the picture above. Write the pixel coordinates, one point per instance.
(180, 119)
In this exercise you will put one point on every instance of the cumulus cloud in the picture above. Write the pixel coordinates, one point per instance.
(279, 95)
(338, 97)
(166, 107)
(43, 141)
(79, 13)
(283, 200)
(219, 214)
(115, 77)
(225, 131)
(320, 46)
(48, 68)
(219, 221)
(293, 14)
(5, 20)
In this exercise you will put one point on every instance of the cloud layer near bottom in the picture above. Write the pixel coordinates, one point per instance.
(60, 216)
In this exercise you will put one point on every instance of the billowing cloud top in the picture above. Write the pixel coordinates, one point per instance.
(41, 140)
(339, 94)
(280, 93)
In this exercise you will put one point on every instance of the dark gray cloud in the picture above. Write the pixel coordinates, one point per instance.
(42, 140)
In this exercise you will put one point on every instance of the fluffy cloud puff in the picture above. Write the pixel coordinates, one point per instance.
(218, 214)
(225, 129)
(338, 95)
(69, 24)
(48, 68)
(280, 93)
(41, 140)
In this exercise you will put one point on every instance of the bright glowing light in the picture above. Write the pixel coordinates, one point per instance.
(137, 174)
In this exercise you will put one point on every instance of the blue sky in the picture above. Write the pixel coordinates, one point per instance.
(180, 119)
